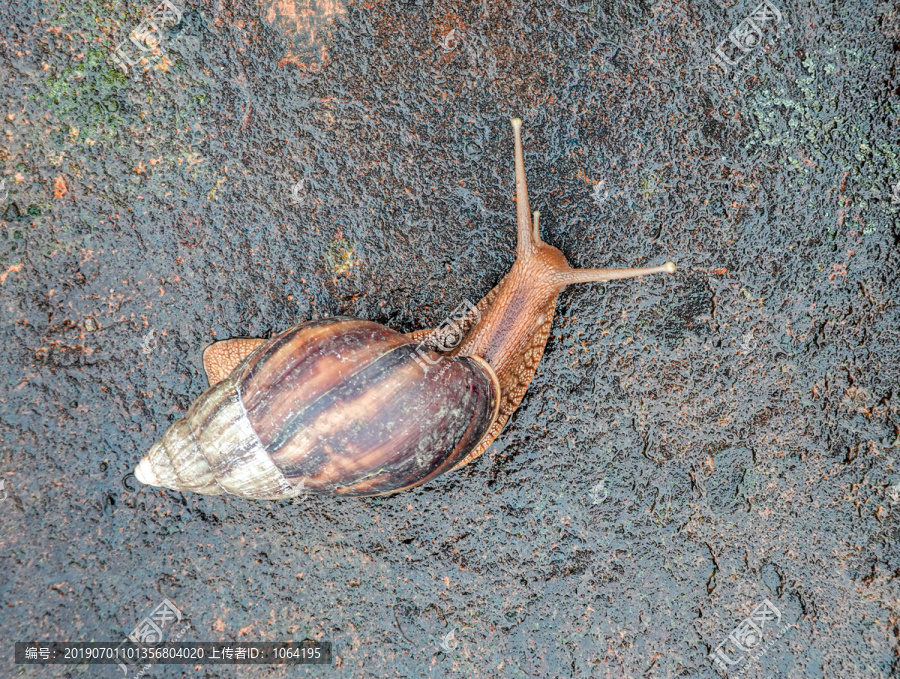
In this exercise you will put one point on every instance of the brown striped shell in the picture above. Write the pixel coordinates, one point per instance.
(334, 406)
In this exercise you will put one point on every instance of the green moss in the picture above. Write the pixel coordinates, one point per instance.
(339, 256)
(86, 98)
(649, 185)
(812, 130)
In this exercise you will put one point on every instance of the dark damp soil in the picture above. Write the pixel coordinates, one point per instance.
(692, 446)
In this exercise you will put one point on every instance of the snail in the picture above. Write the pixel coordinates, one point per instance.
(344, 406)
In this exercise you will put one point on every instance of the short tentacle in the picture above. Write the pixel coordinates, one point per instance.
(536, 232)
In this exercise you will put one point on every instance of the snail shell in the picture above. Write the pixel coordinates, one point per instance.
(333, 406)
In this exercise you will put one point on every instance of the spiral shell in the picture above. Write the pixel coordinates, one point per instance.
(334, 406)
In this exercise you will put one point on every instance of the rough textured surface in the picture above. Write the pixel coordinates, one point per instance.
(691, 446)
(221, 357)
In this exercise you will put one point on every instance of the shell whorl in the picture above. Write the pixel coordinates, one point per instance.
(337, 406)
(214, 450)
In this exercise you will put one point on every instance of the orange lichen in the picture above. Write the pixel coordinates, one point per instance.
(60, 188)
(11, 269)
(307, 25)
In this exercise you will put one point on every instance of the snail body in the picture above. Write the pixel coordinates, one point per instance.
(343, 406)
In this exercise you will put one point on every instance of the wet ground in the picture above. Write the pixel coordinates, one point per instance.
(692, 446)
